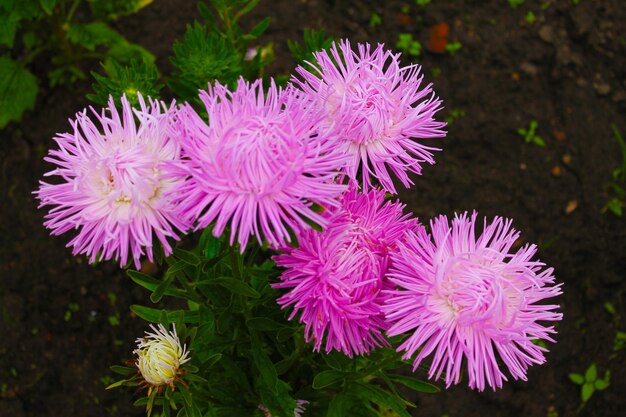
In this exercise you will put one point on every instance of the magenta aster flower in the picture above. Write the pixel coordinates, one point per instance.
(258, 165)
(470, 298)
(336, 277)
(377, 108)
(111, 187)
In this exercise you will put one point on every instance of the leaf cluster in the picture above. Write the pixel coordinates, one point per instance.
(529, 134)
(218, 49)
(590, 382)
(244, 350)
(34, 27)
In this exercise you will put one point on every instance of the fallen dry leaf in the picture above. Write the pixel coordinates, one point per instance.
(571, 206)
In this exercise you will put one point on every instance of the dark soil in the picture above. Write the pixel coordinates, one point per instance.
(567, 70)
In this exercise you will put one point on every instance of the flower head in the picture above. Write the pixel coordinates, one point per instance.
(160, 356)
(111, 187)
(470, 298)
(336, 277)
(376, 108)
(259, 165)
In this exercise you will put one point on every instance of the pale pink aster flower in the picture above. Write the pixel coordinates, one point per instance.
(336, 277)
(474, 299)
(297, 412)
(258, 165)
(111, 188)
(377, 108)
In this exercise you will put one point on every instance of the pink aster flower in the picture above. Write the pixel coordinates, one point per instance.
(111, 187)
(474, 299)
(258, 165)
(336, 277)
(377, 108)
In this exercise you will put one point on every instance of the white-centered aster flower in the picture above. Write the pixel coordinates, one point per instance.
(160, 356)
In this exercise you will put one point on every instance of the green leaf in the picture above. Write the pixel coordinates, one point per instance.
(263, 324)
(414, 384)
(189, 257)
(126, 52)
(48, 5)
(586, 391)
(339, 406)
(601, 384)
(236, 286)
(93, 34)
(151, 284)
(592, 373)
(154, 315)
(209, 244)
(266, 368)
(615, 206)
(123, 370)
(162, 288)
(9, 26)
(374, 393)
(327, 378)
(113, 9)
(119, 80)
(259, 28)
(577, 379)
(18, 90)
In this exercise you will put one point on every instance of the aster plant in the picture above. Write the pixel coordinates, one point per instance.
(304, 287)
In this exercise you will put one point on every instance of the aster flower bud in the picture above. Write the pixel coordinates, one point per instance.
(160, 356)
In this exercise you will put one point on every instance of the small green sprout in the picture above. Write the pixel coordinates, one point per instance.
(529, 134)
(618, 183)
(454, 114)
(590, 382)
(619, 342)
(405, 9)
(422, 3)
(435, 72)
(515, 3)
(71, 308)
(453, 47)
(530, 18)
(375, 20)
(408, 45)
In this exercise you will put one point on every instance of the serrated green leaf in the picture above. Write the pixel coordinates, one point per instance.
(18, 90)
(586, 391)
(93, 34)
(327, 378)
(414, 384)
(591, 374)
(576, 378)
